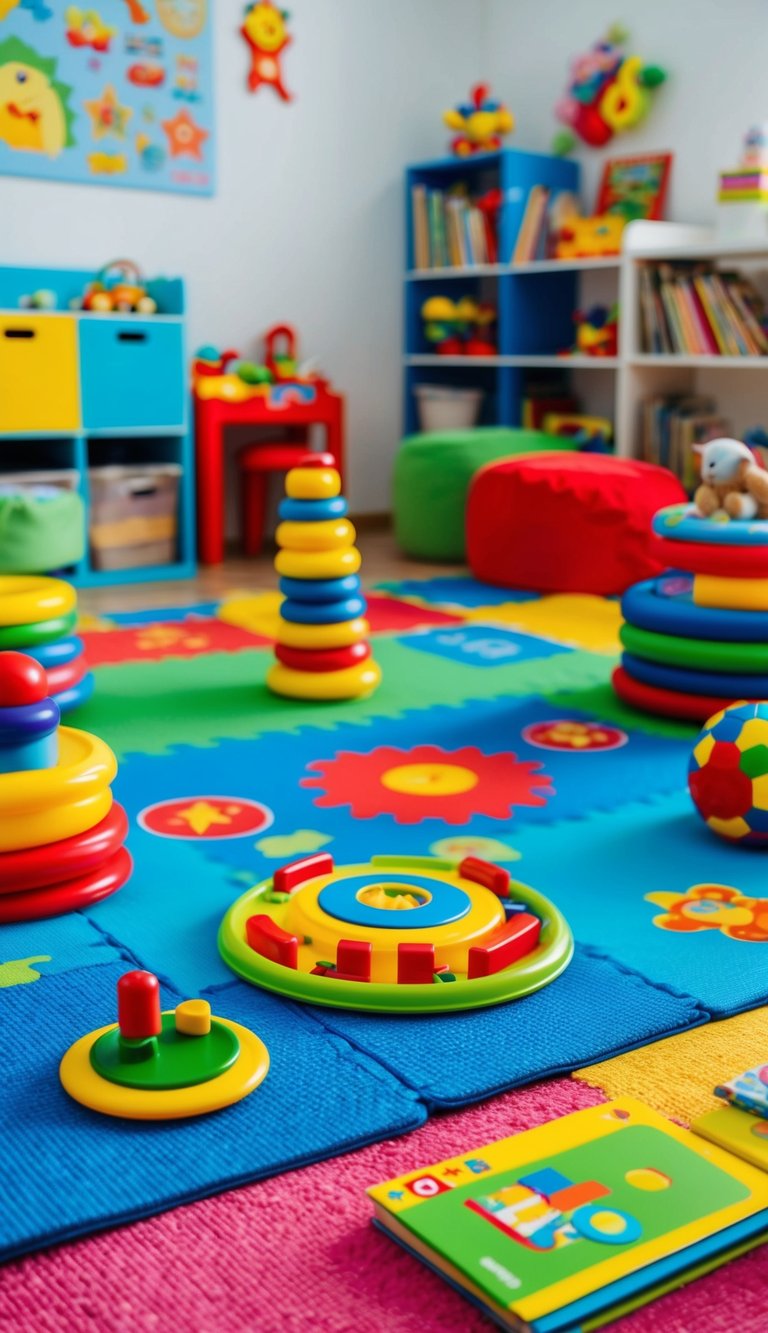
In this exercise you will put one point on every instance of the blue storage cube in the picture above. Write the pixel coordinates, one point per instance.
(132, 373)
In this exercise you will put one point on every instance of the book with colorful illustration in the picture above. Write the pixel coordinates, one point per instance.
(568, 1225)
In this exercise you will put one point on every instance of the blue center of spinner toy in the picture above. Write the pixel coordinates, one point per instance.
(442, 903)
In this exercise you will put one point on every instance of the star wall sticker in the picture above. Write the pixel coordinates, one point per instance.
(185, 137)
(108, 117)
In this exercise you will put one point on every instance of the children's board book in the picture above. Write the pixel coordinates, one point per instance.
(574, 1223)
(738, 1132)
(748, 1090)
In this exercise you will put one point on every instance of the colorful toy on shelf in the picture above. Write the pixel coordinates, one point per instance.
(742, 195)
(38, 615)
(322, 645)
(118, 288)
(401, 935)
(61, 836)
(459, 328)
(733, 484)
(42, 299)
(264, 29)
(590, 238)
(609, 92)
(481, 123)
(728, 777)
(224, 375)
(152, 1065)
(597, 331)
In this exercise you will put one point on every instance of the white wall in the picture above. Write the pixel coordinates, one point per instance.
(715, 53)
(306, 226)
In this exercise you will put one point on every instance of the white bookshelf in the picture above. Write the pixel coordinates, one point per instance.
(739, 384)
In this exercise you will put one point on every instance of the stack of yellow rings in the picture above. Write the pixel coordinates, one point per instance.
(38, 616)
(322, 647)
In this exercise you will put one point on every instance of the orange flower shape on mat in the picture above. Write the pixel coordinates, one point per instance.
(429, 783)
(713, 907)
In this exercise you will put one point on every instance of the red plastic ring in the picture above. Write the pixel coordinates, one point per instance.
(666, 703)
(69, 897)
(58, 862)
(322, 659)
(728, 562)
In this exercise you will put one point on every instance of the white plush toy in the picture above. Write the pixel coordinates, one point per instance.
(731, 481)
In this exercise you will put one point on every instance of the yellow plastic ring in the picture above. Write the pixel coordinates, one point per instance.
(312, 483)
(322, 636)
(80, 1080)
(318, 564)
(326, 536)
(730, 594)
(352, 683)
(26, 599)
(38, 828)
(86, 765)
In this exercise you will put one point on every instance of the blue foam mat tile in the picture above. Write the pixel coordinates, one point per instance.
(482, 645)
(601, 870)
(56, 944)
(591, 1012)
(456, 590)
(164, 615)
(66, 1171)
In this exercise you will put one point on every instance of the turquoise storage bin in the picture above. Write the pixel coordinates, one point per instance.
(132, 373)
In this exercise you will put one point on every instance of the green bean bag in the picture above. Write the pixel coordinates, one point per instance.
(431, 481)
(42, 529)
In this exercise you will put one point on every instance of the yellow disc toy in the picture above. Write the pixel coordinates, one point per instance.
(353, 682)
(312, 483)
(318, 564)
(328, 535)
(730, 594)
(46, 805)
(26, 599)
(162, 1066)
(340, 635)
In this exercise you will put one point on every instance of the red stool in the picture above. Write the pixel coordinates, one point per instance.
(256, 462)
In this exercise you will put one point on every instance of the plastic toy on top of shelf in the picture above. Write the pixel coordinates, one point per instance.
(459, 328)
(609, 92)
(42, 299)
(742, 195)
(118, 288)
(264, 29)
(61, 836)
(225, 376)
(733, 484)
(481, 122)
(162, 1066)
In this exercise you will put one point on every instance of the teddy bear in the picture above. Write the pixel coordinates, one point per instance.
(731, 481)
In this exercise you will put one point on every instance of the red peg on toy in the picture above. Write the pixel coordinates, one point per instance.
(138, 1006)
(22, 680)
(316, 460)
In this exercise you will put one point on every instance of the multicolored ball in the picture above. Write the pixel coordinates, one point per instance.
(728, 773)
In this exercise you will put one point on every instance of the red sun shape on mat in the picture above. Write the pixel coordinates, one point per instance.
(429, 783)
(198, 817)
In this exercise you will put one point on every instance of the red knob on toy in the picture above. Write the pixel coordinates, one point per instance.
(316, 460)
(22, 680)
(138, 1005)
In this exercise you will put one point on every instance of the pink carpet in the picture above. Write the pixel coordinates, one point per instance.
(298, 1252)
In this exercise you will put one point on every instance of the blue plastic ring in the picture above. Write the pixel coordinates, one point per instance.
(447, 902)
(312, 511)
(679, 523)
(686, 680)
(59, 653)
(76, 694)
(28, 721)
(322, 613)
(320, 590)
(666, 606)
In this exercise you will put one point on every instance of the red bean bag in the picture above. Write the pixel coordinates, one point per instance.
(556, 522)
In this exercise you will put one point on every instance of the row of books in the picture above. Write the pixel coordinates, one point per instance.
(696, 309)
(546, 212)
(672, 424)
(453, 230)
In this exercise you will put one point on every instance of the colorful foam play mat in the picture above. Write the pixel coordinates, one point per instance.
(495, 737)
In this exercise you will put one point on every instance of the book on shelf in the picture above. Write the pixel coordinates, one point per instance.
(673, 424)
(694, 309)
(546, 212)
(571, 1224)
(452, 229)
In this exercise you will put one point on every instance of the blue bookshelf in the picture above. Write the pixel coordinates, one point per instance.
(535, 301)
(99, 389)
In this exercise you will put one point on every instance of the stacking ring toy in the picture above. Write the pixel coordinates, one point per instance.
(318, 564)
(731, 594)
(322, 636)
(681, 523)
(328, 535)
(57, 863)
(322, 613)
(665, 605)
(321, 590)
(325, 659)
(34, 635)
(732, 562)
(400, 935)
(72, 895)
(56, 654)
(309, 511)
(49, 804)
(66, 675)
(162, 1066)
(666, 703)
(355, 682)
(26, 599)
(686, 681)
(700, 654)
(77, 694)
(312, 483)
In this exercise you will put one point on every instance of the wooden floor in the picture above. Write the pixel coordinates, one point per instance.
(381, 560)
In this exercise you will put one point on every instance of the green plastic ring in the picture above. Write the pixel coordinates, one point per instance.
(551, 957)
(705, 654)
(38, 633)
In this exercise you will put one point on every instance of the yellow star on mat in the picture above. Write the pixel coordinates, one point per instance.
(201, 815)
(108, 116)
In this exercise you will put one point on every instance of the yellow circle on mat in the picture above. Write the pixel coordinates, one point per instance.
(26, 599)
(352, 683)
(730, 594)
(647, 1178)
(80, 1080)
(312, 483)
(48, 804)
(326, 536)
(318, 564)
(340, 635)
(429, 779)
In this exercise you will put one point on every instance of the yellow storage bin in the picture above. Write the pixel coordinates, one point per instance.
(39, 387)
